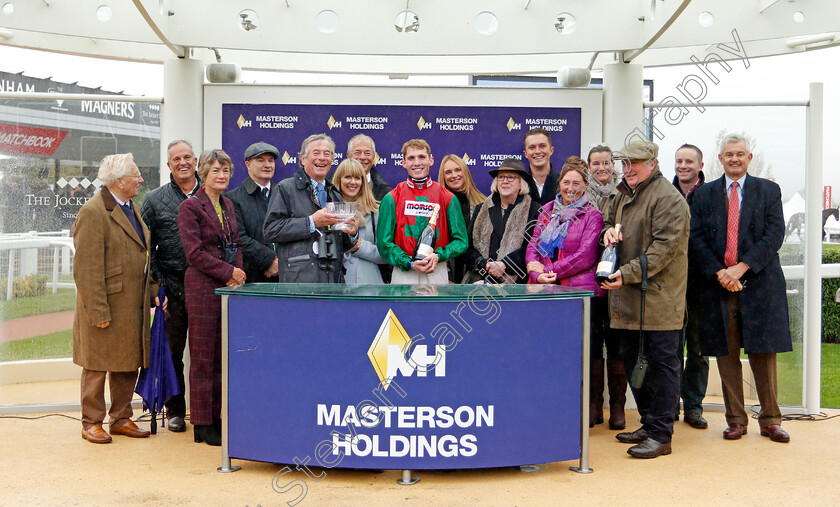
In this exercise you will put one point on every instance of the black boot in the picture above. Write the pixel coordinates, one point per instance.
(596, 392)
(617, 384)
(207, 433)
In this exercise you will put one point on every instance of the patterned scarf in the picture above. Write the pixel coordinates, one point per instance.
(599, 192)
(553, 236)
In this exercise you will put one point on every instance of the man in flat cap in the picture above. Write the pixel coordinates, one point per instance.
(250, 200)
(654, 221)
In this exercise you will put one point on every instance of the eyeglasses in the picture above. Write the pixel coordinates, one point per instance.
(137, 176)
(507, 177)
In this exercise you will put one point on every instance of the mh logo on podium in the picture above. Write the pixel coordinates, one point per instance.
(391, 354)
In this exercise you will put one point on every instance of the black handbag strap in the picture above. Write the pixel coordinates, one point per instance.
(644, 265)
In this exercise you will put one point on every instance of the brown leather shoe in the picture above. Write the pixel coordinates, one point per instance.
(734, 431)
(96, 435)
(632, 437)
(776, 433)
(130, 429)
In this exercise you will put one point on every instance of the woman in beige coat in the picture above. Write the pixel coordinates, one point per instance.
(114, 293)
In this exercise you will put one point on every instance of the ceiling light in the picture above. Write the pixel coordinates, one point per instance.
(327, 22)
(486, 23)
(407, 22)
(248, 20)
(104, 13)
(705, 19)
(565, 23)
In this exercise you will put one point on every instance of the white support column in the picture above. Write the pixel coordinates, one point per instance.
(813, 252)
(183, 106)
(623, 111)
(623, 115)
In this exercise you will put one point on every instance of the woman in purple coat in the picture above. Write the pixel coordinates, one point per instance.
(564, 247)
(211, 243)
(564, 251)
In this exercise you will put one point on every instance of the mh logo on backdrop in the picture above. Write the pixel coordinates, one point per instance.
(288, 159)
(512, 125)
(242, 122)
(332, 124)
(389, 354)
(422, 124)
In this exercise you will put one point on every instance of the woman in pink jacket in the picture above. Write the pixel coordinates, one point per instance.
(564, 248)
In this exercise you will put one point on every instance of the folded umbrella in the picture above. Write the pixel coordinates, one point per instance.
(158, 382)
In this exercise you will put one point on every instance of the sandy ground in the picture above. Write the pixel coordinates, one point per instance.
(47, 462)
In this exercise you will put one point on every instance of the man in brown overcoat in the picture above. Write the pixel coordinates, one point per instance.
(114, 294)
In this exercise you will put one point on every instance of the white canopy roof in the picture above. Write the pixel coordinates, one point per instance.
(435, 37)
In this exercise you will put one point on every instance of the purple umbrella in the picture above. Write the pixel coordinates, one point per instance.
(158, 382)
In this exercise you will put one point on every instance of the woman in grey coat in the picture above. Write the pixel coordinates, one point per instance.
(362, 261)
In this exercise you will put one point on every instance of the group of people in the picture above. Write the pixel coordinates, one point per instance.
(537, 226)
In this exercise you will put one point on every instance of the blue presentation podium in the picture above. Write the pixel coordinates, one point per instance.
(405, 377)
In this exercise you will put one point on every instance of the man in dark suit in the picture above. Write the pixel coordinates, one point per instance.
(737, 228)
(362, 148)
(694, 371)
(538, 151)
(250, 200)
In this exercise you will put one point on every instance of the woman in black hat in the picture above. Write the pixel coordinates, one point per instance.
(501, 226)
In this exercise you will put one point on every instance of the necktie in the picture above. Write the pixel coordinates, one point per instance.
(321, 194)
(730, 257)
(133, 219)
(265, 196)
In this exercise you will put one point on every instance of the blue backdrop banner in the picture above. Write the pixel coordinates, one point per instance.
(482, 136)
(405, 384)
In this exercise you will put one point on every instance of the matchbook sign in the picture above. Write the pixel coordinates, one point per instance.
(32, 140)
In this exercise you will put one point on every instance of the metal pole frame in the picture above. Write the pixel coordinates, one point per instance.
(226, 466)
(813, 269)
(812, 336)
(583, 466)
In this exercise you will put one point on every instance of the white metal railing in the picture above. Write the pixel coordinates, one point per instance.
(798, 272)
(60, 242)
